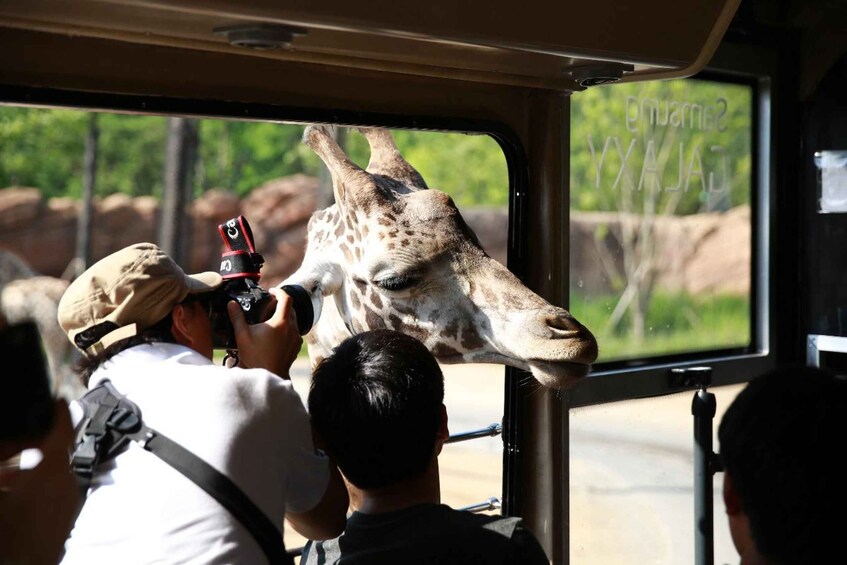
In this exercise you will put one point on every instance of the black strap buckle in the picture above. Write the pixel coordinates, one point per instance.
(85, 458)
(123, 421)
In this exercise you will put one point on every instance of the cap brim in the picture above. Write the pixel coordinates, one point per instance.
(203, 282)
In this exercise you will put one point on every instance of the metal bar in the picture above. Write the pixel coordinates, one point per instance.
(492, 503)
(703, 408)
(490, 431)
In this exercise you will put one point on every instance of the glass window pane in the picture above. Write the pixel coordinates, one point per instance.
(661, 177)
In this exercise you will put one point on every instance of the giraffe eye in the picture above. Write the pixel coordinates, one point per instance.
(396, 282)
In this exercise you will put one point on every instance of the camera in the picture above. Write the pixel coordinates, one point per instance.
(240, 269)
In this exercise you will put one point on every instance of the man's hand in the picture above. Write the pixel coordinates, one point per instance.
(273, 344)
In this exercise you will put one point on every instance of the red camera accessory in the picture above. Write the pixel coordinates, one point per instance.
(241, 259)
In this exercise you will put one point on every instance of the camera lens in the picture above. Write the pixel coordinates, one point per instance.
(304, 307)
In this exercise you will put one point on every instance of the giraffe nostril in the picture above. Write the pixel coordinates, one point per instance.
(560, 325)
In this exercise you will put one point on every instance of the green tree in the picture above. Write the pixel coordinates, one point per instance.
(132, 155)
(471, 168)
(239, 156)
(42, 149)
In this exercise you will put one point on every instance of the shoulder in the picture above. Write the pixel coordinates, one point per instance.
(525, 546)
(503, 535)
(453, 518)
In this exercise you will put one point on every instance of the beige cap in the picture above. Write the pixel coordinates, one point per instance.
(124, 294)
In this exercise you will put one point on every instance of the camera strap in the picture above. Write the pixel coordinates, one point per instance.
(111, 421)
(240, 260)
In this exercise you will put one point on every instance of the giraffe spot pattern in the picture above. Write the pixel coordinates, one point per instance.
(372, 319)
(403, 309)
(361, 286)
(443, 350)
(451, 330)
(471, 339)
(395, 322)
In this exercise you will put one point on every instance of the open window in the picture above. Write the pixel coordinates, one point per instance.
(132, 163)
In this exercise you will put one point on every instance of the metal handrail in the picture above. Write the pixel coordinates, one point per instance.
(492, 503)
(492, 430)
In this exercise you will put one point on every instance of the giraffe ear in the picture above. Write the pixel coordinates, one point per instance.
(387, 160)
(349, 181)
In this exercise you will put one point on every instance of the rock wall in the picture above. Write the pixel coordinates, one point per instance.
(699, 253)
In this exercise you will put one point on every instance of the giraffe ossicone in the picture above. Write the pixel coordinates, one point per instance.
(392, 253)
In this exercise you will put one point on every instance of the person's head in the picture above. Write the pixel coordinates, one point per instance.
(136, 295)
(377, 402)
(781, 443)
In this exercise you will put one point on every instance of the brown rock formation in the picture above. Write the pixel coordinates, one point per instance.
(698, 253)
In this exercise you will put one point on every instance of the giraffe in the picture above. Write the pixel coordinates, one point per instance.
(27, 296)
(393, 253)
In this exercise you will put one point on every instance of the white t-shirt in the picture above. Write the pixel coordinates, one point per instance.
(248, 424)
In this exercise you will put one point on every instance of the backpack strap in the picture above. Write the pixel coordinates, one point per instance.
(107, 419)
(115, 420)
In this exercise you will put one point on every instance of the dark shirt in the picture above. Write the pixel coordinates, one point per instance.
(431, 534)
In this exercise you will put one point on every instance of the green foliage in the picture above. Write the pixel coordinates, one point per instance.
(676, 323)
(471, 168)
(240, 156)
(44, 148)
(625, 120)
(131, 154)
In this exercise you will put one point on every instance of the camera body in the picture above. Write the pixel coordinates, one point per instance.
(240, 268)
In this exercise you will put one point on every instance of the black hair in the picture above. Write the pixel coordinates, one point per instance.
(781, 443)
(376, 402)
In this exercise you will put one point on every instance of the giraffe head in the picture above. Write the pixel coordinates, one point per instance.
(391, 253)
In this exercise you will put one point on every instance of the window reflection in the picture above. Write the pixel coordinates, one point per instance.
(660, 216)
